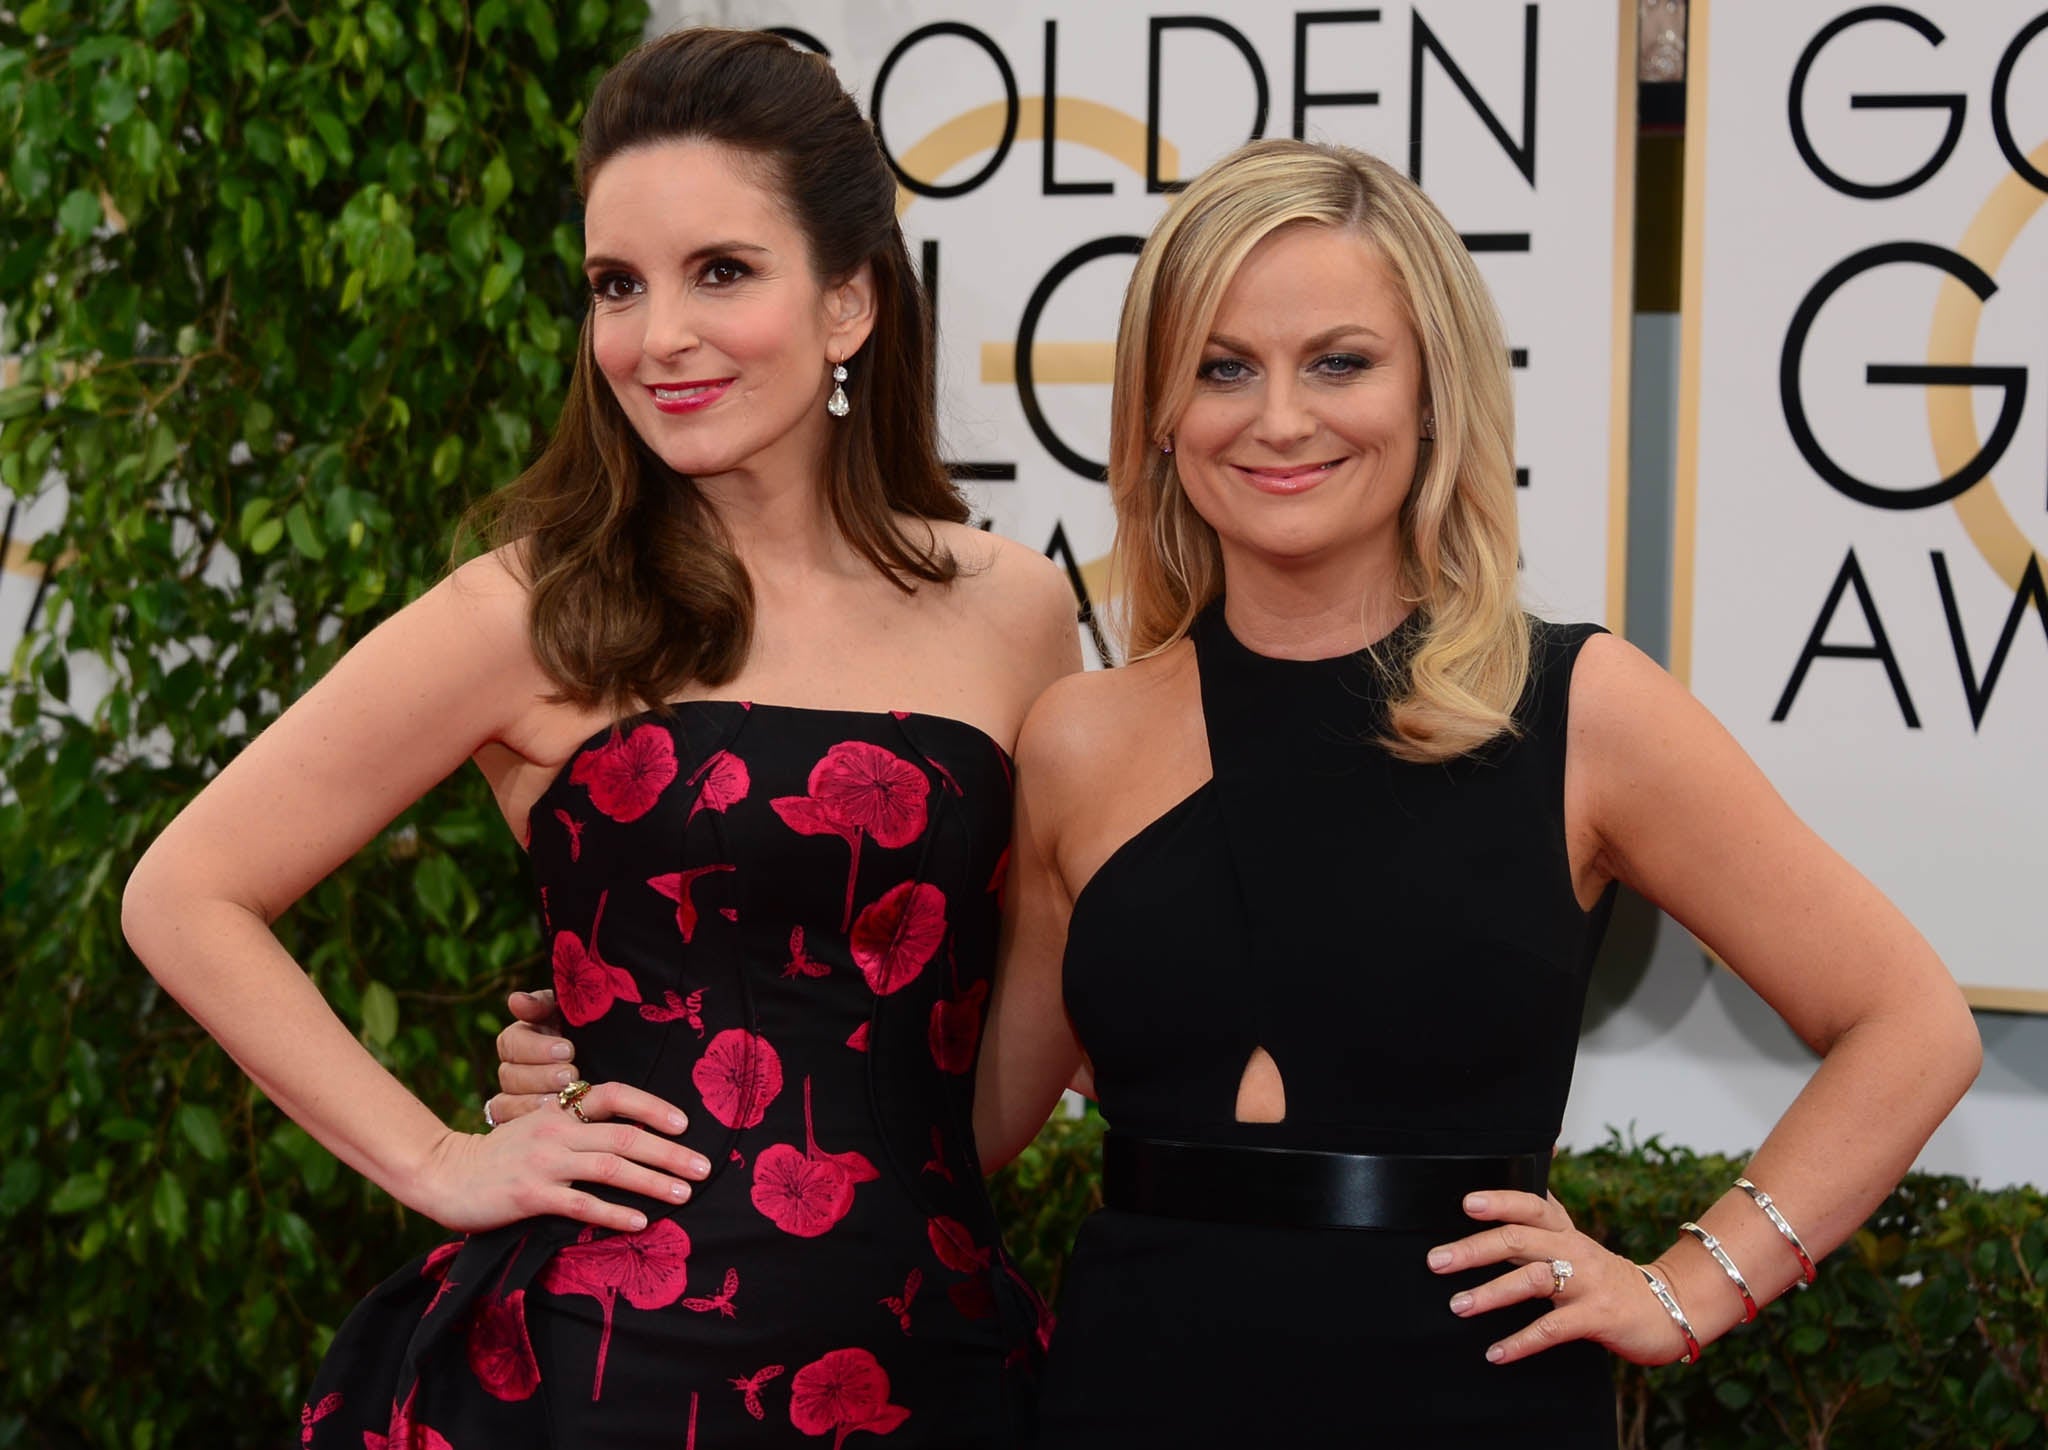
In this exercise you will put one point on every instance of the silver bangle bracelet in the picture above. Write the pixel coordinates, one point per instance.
(1807, 1273)
(1692, 1341)
(1713, 1246)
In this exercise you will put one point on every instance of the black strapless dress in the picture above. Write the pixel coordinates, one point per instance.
(784, 921)
(1405, 942)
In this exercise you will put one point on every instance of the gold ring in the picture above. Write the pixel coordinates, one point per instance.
(571, 1097)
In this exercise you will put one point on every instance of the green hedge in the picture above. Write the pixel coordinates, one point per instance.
(290, 283)
(1929, 1328)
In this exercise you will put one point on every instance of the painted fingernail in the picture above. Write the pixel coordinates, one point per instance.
(1460, 1303)
(1475, 1203)
(561, 1051)
(1439, 1258)
(675, 1122)
(639, 1221)
(564, 1076)
(1496, 1354)
(679, 1191)
(700, 1167)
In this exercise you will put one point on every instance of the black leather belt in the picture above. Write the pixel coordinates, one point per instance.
(1300, 1188)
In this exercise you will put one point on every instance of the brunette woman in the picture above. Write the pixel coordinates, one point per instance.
(743, 681)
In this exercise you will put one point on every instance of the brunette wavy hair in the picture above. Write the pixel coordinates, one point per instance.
(636, 592)
(1459, 548)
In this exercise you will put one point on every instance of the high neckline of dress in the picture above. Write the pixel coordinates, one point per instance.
(1390, 650)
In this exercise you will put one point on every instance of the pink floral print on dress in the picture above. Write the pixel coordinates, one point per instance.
(726, 783)
(857, 790)
(404, 1433)
(500, 1352)
(586, 985)
(626, 776)
(807, 1193)
(739, 1075)
(897, 934)
(675, 885)
(955, 1246)
(648, 1269)
(845, 1391)
(956, 1029)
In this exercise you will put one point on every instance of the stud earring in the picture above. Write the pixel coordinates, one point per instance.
(1166, 445)
(837, 405)
(1429, 426)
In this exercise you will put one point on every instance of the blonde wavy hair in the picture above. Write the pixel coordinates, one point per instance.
(1459, 547)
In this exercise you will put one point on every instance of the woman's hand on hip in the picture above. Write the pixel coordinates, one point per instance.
(1594, 1294)
(542, 1163)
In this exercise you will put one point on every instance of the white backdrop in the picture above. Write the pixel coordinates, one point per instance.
(1522, 129)
(1867, 280)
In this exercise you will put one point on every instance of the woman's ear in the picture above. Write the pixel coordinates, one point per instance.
(850, 312)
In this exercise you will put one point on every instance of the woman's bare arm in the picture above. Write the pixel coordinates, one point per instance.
(400, 712)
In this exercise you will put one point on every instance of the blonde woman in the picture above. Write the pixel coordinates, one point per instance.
(1315, 881)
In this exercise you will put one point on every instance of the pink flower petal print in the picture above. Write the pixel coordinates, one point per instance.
(807, 1193)
(675, 885)
(956, 1029)
(650, 1269)
(626, 776)
(810, 818)
(404, 1433)
(726, 783)
(897, 934)
(586, 985)
(858, 1038)
(500, 1352)
(868, 787)
(799, 1195)
(739, 1075)
(973, 1298)
(955, 1246)
(440, 1257)
(844, 1391)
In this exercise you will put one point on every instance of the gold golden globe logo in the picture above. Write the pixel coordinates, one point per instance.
(1951, 418)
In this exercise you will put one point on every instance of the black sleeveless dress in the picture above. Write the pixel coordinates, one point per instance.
(1404, 940)
(784, 921)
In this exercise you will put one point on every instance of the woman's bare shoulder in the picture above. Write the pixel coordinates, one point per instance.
(1091, 727)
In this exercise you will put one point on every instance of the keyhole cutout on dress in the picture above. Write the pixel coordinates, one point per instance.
(1261, 1095)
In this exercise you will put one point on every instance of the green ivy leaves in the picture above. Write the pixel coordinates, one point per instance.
(288, 286)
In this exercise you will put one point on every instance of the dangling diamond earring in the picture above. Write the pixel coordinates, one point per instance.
(1429, 427)
(837, 405)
